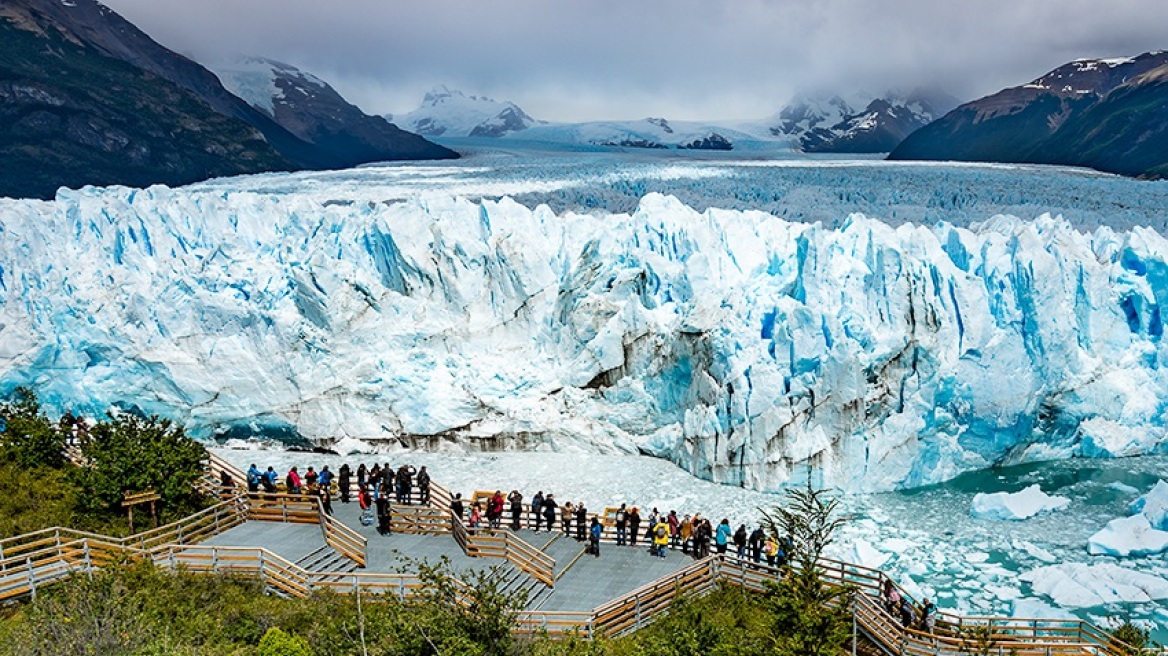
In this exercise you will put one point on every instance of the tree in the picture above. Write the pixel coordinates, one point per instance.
(811, 617)
(277, 642)
(1129, 638)
(129, 453)
(27, 436)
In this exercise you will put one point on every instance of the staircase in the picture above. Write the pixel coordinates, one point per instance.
(513, 580)
(326, 565)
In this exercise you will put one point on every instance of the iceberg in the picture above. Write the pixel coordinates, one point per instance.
(749, 350)
(1076, 585)
(1154, 505)
(1016, 506)
(1128, 536)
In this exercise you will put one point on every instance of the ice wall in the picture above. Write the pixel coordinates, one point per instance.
(747, 349)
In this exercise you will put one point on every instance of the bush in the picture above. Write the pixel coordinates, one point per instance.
(27, 436)
(277, 643)
(131, 454)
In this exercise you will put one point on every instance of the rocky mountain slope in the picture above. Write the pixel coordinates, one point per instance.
(830, 123)
(90, 99)
(71, 115)
(1102, 113)
(313, 111)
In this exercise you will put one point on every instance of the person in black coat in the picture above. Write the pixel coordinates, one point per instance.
(550, 510)
(581, 518)
(344, 481)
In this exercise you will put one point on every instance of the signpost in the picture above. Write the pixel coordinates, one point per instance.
(149, 496)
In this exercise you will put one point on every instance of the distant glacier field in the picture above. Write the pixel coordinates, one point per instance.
(900, 332)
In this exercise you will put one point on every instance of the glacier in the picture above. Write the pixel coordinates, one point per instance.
(747, 349)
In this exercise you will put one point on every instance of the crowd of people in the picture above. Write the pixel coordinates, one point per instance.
(659, 532)
(374, 486)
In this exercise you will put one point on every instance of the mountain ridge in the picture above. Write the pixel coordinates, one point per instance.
(1055, 119)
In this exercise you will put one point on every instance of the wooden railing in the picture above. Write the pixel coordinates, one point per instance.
(300, 509)
(639, 607)
(420, 519)
(344, 540)
(37, 559)
(502, 543)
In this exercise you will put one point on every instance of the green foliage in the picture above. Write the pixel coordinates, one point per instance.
(133, 454)
(809, 617)
(1129, 638)
(36, 498)
(27, 436)
(278, 643)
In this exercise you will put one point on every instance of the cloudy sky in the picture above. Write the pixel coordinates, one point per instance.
(681, 59)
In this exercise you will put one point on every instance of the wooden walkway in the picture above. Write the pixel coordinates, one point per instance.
(295, 548)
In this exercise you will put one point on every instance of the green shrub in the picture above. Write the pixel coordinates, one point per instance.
(278, 643)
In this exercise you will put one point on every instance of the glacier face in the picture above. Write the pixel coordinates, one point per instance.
(749, 350)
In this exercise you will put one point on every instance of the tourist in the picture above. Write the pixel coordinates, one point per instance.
(660, 534)
(906, 613)
(404, 483)
(622, 519)
(755, 541)
(383, 515)
(456, 508)
(537, 509)
(325, 479)
(292, 482)
(253, 478)
(770, 550)
(634, 526)
(594, 533)
(495, 509)
(722, 536)
(515, 499)
(686, 529)
(269, 481)
(363, 497)
(362, 475)
(550, 510)
(740, 540)
(581, 519)
(674, 529)
(928, 616)
(892, 600)
(344, 481)
(476, 515)
(424, 485)
(326, 500)
(567, 511)
(310, 479)
(375, 479)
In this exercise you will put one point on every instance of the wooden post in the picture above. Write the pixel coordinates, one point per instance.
(131, 510)
(31, 578)
(88, 563)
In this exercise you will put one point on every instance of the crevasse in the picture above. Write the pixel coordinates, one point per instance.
(748, 350)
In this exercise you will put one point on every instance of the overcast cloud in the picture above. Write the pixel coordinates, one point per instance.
(682, 59)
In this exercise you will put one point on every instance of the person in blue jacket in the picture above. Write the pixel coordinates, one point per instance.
(722, 535)
(253, 478)
(594, 537)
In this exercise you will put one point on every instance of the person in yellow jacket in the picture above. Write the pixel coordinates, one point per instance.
(660, 533)
(770, 549)
(686, 534)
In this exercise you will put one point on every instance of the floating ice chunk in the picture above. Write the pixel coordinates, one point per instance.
(347, 445)
(1036, 608)
(1035, 551)
(977, 556)
(1154, 505)
(1017, 505)
(1077, 585)
(1128, 536)
(1123, 487)
(863, 553)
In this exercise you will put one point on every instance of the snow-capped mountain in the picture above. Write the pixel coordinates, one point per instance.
(859, 123)
(747, 349)
(1103, 113)
(657, 133)
(309, 108)
(451, 113)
